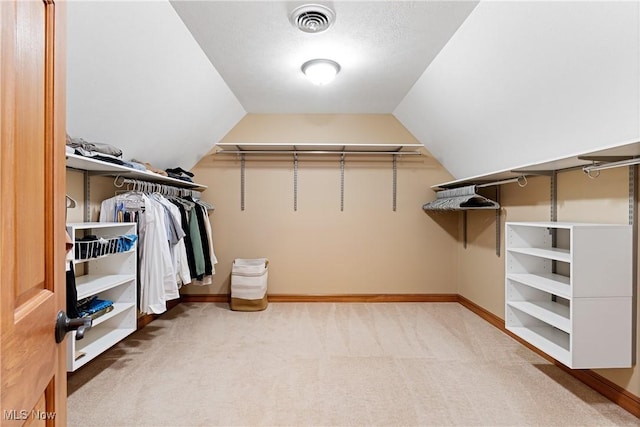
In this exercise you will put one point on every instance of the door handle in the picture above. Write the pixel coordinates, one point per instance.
(64, 324)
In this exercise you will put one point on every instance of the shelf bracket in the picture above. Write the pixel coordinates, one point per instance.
(394, 184)
(342, 182)
(553, 195)
(295, 182)
(553, 214)
(87, 194)
(633, 221)
(242, 181)
(498, 221)
(633, 191)
(464, 229)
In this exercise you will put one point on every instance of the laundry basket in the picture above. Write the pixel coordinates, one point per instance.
(249, 284)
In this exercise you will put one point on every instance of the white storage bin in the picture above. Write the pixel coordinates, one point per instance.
(249, 284)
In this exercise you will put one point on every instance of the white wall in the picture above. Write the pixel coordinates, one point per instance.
(138, 80)
(524, 82)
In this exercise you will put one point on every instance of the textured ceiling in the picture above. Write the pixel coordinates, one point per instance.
(383, 47)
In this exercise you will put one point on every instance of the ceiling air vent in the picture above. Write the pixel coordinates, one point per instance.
(312, 18)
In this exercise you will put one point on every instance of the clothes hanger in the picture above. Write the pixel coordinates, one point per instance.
(71, 203)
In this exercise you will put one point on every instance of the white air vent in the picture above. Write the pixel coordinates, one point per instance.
(312, 18)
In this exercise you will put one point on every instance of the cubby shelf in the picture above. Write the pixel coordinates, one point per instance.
(568, 291)
(555, 284)
(110, 277)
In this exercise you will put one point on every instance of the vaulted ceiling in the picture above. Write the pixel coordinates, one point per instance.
(485, 86)
(383, 47)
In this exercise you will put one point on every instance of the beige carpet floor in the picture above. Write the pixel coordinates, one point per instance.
(325, 364)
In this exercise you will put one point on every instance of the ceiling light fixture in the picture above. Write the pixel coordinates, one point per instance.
(320, 71)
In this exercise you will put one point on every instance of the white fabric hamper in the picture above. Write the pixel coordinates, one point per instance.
(249, 284)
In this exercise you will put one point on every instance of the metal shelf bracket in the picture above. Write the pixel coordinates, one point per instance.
(395, 182)
(342, 182)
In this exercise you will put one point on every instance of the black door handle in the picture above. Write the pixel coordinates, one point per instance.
(64, 325)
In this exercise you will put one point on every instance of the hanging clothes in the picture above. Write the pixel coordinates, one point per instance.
(175, 243)
(157, 277)
(206, 237)
(196, 241)
(207, 223)
(191, 263)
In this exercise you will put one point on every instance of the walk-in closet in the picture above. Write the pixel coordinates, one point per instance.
(278, 213)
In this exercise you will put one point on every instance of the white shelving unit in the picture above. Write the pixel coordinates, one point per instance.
(572, 300)
(110, 276)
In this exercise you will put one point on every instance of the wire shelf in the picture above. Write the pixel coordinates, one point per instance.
(92, 249)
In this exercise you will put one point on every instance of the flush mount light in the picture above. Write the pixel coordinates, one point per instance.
(320, 71)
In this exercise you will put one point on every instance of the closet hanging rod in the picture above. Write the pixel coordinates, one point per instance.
(138, 184)
(610, 165)
(521, 180)
(299, 152)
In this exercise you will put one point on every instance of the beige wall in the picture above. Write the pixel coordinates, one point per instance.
(604, 199)
(481, 274)
(318, 249)
(100, 188)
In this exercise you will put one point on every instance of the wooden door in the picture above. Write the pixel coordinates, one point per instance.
(32, 286)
